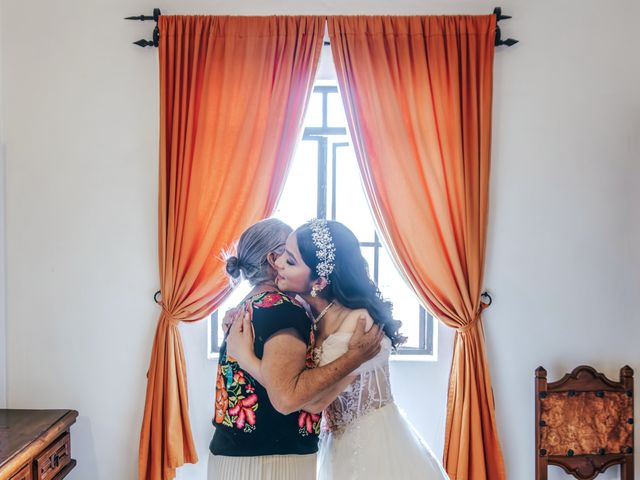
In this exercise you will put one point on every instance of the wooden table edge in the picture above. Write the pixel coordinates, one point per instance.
(15, 462)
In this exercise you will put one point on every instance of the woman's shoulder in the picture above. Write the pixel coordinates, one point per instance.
(278, 307)
(275, 311)
(273, 299)
(351, 320)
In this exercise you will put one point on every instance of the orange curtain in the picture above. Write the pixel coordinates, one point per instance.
(233, 91)
(417, 91)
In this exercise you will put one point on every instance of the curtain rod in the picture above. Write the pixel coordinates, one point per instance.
(156, 32)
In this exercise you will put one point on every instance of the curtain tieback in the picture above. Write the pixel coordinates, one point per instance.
(469, 326)
(474, 322)
(170, 316)
(167, 314)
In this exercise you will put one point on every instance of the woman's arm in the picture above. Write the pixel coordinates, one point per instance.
(328, 396)
(253, 364)
(291, 385)
(283, 371)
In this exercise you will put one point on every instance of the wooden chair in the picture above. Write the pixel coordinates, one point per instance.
(584, 423)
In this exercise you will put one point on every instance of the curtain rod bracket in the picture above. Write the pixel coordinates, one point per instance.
(499, 16)
(156, 30)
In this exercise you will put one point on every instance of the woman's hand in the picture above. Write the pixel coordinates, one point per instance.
(231, 316)
(240, 346)
(365, 345)
(240, 338)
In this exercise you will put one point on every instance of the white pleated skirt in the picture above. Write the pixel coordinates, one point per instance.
(267, 467)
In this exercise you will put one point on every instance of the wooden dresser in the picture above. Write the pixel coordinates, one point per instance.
(36, 444)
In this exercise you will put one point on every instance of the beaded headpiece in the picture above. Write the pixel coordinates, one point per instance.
(325, 249)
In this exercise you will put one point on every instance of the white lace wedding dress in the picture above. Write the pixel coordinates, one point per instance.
(364, 435)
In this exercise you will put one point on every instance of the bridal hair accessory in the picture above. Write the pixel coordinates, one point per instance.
(325, 249)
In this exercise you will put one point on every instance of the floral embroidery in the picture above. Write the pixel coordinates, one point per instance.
(222, 399)
(309, 423)
(269, 300)
(239, 377)
(244, 411)
(236, 402)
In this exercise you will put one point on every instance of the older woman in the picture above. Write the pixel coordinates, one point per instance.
(264, 433)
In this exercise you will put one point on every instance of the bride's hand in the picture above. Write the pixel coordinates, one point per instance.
(240, 339)
(365, 345)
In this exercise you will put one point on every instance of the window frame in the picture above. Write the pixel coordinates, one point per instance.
(427, 340)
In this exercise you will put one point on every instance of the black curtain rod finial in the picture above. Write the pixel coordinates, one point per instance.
(509, 42)
(498, 13)
(142, 18)
(156, 31)
(144, 43)
(498, 41)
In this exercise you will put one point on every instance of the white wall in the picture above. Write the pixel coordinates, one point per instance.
(3, 299)
(80, 126)
(563, 256)
(81, 134)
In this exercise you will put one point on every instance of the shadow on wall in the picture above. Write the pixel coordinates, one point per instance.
(83, 449)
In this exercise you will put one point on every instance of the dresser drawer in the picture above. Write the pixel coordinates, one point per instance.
(50, 462)
(23, 474)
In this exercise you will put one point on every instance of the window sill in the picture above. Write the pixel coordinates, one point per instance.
(413, 358)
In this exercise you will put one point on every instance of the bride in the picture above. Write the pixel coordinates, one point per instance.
(364, 435)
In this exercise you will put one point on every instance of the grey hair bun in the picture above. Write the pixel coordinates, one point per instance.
(233, 267)
(250, 261)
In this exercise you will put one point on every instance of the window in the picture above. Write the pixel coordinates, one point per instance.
(324, 172)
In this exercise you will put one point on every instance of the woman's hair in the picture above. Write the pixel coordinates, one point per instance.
(349, 283)
(255, 244)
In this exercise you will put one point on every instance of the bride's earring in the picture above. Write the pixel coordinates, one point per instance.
(314, 292)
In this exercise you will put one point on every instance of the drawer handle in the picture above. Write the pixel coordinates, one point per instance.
(55, 460)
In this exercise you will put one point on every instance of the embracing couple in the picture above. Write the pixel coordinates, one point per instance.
(306, 358)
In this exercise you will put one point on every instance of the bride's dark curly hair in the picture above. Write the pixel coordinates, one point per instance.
(350, 283)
